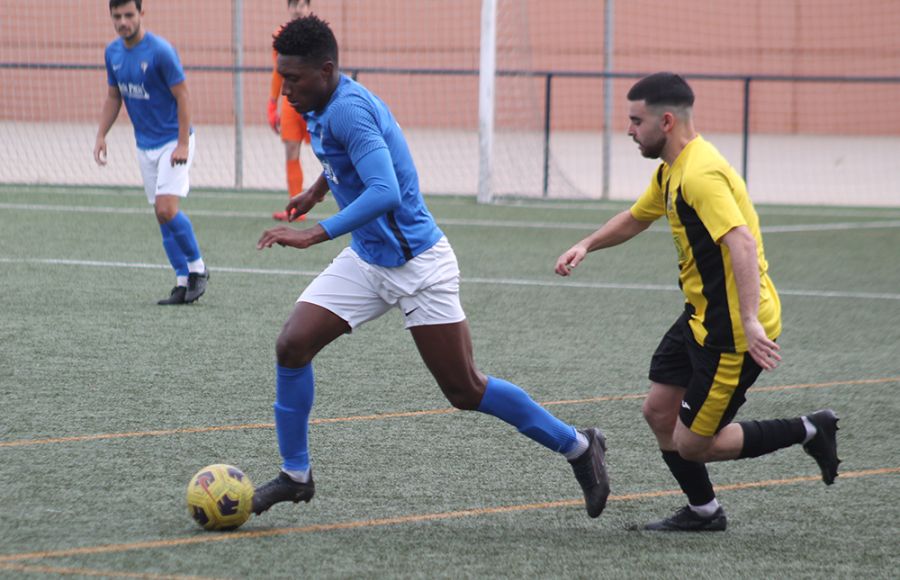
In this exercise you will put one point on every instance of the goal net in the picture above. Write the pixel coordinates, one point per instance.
(799, 95)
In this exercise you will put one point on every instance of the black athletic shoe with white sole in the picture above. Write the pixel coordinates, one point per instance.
(590, 471)
(176, 296)
(280, 489)
(196, 286)
(823, 446)
(687, 520)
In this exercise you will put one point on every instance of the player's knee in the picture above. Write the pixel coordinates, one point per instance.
(292, 350)
(165, 214)
(658, 418)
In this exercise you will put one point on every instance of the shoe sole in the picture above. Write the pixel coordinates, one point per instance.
(169, 302)
(195, 298)
(647, 528)
(298, 500)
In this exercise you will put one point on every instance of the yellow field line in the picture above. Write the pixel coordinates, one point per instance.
(380, 416)
(93, 572)
(410, 519)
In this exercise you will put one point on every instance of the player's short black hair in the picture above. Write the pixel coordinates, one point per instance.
(117, 3)
(663, 88)
(305, 2)
(310, 38)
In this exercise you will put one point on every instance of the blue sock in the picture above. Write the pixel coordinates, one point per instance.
(510, 403)
(173, 251)
(183, 230)
(294, 390)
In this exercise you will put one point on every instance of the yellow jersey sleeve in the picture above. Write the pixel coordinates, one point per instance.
(712, 196)
(651, 205)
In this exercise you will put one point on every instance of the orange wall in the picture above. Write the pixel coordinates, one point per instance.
(776, 37)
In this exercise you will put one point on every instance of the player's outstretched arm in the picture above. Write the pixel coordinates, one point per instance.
(288, 236)
(108, 116)
(619, 229)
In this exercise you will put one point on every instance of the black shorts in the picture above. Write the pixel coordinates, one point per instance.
(715, 382)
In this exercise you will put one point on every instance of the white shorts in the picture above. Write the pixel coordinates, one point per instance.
(160, 176)
(426, 289)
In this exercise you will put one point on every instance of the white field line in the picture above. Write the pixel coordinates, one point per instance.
(823, 227)
(470, 280)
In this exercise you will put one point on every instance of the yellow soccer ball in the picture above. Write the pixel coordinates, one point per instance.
(220, 497)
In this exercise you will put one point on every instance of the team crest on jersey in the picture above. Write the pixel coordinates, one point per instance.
(144, 66)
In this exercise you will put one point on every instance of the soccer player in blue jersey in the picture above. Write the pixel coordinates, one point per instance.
(398, 258)
(143, 70)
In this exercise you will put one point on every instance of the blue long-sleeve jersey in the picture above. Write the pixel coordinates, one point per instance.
(372, 176)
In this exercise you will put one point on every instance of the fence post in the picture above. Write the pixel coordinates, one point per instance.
(237, 24)
(547, 82)
(486, 81)
(745, 138)
(609, 32)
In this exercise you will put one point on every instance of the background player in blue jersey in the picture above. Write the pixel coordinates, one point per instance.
(398, 258)
(143, 70)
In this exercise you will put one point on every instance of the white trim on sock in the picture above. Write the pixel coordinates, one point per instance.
(181, 281)
(298, 476)
(705, 510)
(810, 429)
(197, 266)
(580, 447)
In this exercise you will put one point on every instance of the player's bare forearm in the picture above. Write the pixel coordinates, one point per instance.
(108, 115)
(319, 188)
(183, 100)
(745, 265)
(110, 111)
(288, 236)
(621, 228)
(300, 205)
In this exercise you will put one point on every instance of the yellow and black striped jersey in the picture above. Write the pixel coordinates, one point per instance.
(704, 198)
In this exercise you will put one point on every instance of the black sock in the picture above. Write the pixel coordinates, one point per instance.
(692, 477)
(761, 437)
